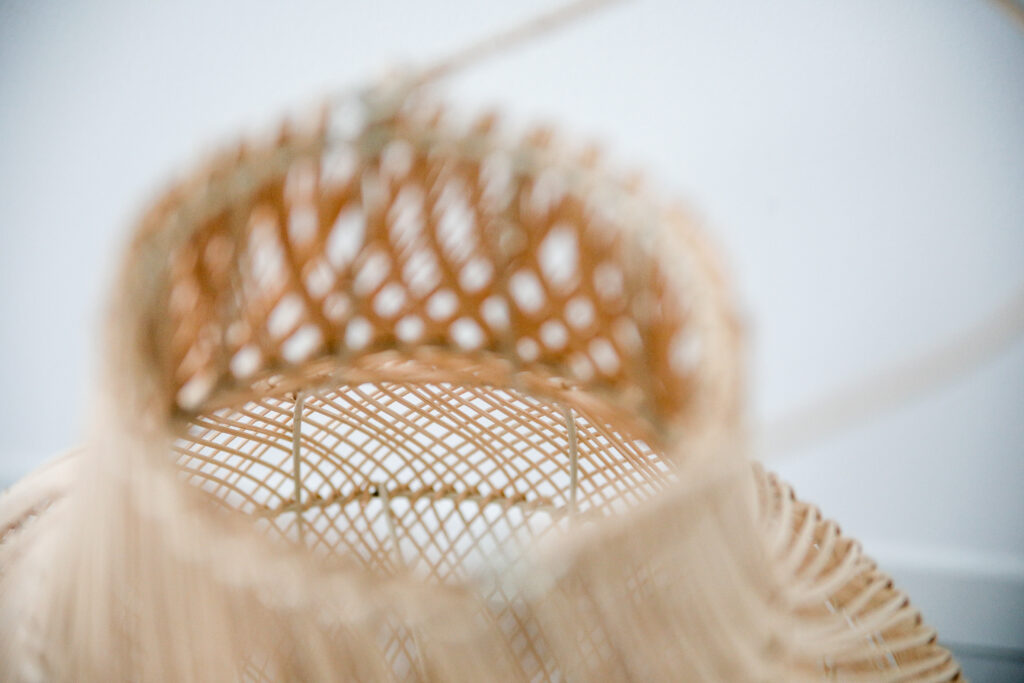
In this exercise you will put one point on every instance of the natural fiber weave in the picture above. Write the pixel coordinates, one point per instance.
(394, 396)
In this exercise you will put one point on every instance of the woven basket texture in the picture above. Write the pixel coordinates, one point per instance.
(399, 395)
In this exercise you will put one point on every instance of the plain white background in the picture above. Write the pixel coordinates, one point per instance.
(860, 163)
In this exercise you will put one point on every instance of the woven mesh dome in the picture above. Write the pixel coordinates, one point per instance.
(398, 396)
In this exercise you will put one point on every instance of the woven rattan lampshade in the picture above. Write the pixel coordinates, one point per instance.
(398, 395)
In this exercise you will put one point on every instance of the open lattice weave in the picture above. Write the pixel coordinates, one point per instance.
(394, 395)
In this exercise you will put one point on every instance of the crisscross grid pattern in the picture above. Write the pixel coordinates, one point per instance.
(449, 482)
(431, 238)
(415, 440)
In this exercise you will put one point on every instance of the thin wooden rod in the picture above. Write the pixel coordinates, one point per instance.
(574, 457)
(887, 388)
(542, 504)
(385, 497)
(300, 400)
(512, 37)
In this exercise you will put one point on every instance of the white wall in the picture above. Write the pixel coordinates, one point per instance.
(860, 162)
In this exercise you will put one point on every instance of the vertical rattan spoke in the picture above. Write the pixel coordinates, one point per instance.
(570, 427)
(300, 400)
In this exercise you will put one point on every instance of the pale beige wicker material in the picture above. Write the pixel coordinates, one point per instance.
(392, 396)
